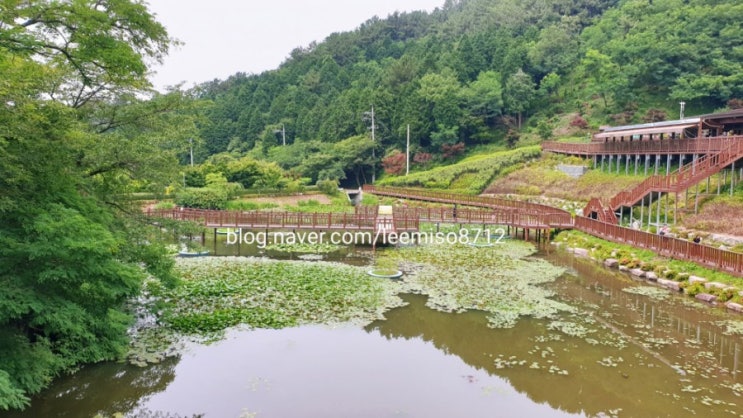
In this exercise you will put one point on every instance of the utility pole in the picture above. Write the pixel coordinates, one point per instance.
(407, 153)
(190, 143)
(283, 135)
(374, 145)
(681, 111)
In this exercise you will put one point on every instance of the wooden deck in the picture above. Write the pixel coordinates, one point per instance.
(657, 147)
(491, 211)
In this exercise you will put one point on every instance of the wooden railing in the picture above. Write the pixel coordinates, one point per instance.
(283, 220)
(485, 217)
(665, 146)
(551, 216)
(715, 258)
(683, 178)
(605, 213)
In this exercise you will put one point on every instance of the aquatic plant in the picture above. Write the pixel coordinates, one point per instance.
(318, 248)
(501, 280)
(217, 293)
(651, 292)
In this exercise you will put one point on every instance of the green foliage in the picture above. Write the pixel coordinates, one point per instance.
(328, 187)
(635, 257)
(203, 198)
(480, 171)
(76, 135)
(249, 205)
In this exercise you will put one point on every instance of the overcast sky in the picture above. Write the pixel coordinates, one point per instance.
(223, 37)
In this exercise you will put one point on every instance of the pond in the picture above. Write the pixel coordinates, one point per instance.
(628, 350)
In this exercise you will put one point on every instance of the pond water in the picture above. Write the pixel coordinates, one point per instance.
(624, 354)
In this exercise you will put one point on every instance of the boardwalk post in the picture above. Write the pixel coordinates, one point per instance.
(732, 178)
(657, 211)
(637, 162)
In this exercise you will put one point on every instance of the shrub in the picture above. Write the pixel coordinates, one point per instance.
(726, 294)
(203, 198)
(394, 163)
(693, 289)
(328, 187)
(579, 122)
(449, 151)
(422, 157)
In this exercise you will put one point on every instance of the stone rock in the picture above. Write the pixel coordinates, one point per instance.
(670, 284)
(623, 268)
(611, 262)
(580, 252)
(715, 285)
(637, 272)
(737, 307)
(726, 239)
(706, 297)
(650, 275)
(697, 279)
(574, 171)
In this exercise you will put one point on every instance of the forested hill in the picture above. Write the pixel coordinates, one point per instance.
(481, 71)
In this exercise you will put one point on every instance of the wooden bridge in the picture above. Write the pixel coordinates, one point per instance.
(664, 147)
(715, 258)
(288, 220)
(500, 211)
(469, 210)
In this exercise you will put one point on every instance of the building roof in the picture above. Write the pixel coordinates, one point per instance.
(638, 130)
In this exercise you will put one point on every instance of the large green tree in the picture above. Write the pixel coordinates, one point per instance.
(73, 138)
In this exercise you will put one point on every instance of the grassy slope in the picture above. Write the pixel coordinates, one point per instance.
(471, 175)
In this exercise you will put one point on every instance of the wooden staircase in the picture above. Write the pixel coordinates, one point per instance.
(685, 177)
(596, 209)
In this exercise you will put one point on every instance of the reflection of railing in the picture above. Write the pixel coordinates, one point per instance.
(666, 146)
(715, 258)
(521, 213)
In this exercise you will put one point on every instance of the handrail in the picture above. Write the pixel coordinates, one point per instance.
(408, 219)
(666, 146)
(258, 219)
(556, 216)
(664, 245)
(684, 177)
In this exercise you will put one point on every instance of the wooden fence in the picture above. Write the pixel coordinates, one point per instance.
(727, 261)
(663, 147)
(549, 216)
(283, 220)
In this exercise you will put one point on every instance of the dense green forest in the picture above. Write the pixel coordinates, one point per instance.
(477, 72)
(81, 131)
(75, 136)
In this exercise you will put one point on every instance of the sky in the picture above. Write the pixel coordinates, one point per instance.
(223, 37)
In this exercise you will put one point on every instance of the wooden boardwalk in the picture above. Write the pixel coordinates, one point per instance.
(491, 211)
(656, 147)
(706, 256)
(500, 211)
(286, 220)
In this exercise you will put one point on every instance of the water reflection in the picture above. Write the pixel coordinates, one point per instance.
(619, 354)
(101, 388)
